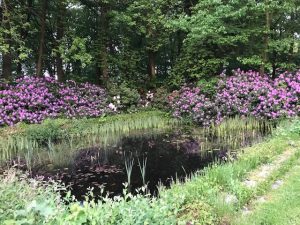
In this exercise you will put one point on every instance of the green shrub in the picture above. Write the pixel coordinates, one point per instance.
(124, 97)
(49, 129)
(160, 100)
(208, 87)
(28, 201)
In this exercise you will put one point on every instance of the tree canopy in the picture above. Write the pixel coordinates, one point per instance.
(147, 42)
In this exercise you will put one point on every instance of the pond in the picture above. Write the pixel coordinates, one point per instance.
(149, 157)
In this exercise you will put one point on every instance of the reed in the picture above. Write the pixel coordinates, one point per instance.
(233, 133)
(129, 162)
(78, 133)
(142, 167)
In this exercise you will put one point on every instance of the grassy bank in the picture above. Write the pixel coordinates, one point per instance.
(218, 192)
(202, 199)
(281, 206)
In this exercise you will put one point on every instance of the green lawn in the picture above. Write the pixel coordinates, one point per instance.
(282, 206)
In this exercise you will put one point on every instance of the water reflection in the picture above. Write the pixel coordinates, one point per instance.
(157, 156)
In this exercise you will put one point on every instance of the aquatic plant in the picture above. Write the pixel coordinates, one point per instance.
(129, 162)
(68, 135)
(143, 169)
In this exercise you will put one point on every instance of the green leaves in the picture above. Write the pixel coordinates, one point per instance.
(150, 19)
(74, 51)
(235, 34)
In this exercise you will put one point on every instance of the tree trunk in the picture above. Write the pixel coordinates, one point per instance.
(273, 70)
(104, 65)
(151, 65)
(7, 65)
(266, 38)
(6, 56)
(60, 34)
(19, 69)
(98, 74)
(103, 49)
(39, 65)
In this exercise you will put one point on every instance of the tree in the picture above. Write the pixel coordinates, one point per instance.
(156, 41)
(231, 34)
(150, 18)
(12, 46)
(60, 29)
(42, 25)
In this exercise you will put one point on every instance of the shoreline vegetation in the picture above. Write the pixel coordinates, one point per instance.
(52, 135)
(212, 196)
(59, 128)
(30, 141)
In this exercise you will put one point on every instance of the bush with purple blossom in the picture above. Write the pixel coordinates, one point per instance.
(32, 100)
(191, 103)
(245, 93)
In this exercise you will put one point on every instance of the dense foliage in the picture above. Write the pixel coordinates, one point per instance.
(244, 93)
(190, 102)
(147, 42)
(33, 99)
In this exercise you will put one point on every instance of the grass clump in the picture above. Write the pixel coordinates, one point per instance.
(28, 201)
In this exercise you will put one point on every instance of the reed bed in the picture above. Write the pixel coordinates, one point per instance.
(58, 147)
(56, 141)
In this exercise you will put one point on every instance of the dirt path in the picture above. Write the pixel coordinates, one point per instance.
(262, 173)
(281, 205)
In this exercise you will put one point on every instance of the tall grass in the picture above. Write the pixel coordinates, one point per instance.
(241, 125)
(233, 133)
(142, 167)
(129, 162)
(55, 142)
(49, 138)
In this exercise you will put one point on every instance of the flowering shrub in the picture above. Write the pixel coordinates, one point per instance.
(33, 99)
(290, 82)
(239, 93)
(123, 97)
(244, 93)
(189, 102)
(249, 93)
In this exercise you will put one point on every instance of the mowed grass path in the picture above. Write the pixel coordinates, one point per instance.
(282, 206)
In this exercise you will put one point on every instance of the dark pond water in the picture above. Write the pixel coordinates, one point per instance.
(165, 156)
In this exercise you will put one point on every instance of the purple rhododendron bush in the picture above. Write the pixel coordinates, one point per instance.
(32, 100)
(244, 93)
(190, 102)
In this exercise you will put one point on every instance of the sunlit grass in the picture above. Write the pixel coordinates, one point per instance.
(282, 206)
